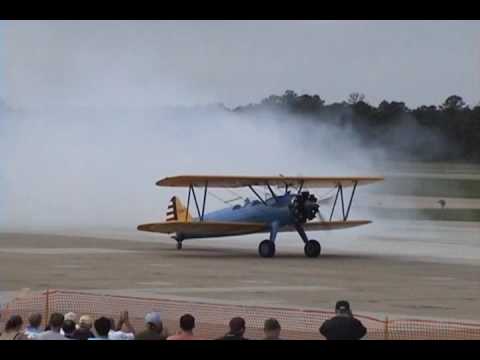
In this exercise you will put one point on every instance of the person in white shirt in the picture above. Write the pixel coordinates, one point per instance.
(116, 332)
(34, 326)
(55, 323)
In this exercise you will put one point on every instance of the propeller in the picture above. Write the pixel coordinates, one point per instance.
(304, 207)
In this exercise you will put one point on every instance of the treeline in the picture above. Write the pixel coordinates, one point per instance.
(450, 131)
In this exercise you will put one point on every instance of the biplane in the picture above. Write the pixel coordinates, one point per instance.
(294, 209)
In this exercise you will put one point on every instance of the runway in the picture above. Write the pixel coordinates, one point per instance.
(397, 271)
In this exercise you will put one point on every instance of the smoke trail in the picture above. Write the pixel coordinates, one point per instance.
(98, 167)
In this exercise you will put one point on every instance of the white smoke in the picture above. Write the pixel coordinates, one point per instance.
(98, 168)
(90, 134)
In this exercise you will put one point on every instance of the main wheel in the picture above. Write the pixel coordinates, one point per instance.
(266, 248)
(179, 245)
(312, 249)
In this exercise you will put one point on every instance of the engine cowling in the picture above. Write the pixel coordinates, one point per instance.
(303, 207)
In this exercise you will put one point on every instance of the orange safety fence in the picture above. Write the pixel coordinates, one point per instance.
(212, 319)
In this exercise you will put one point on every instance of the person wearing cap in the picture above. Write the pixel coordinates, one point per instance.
(83, 332)
(343, 326)
(153, 328)
(237, 329)
(272, 329)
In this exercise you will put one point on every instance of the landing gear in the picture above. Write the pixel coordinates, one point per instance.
(266, 248)
(312, 248)
(179, 245)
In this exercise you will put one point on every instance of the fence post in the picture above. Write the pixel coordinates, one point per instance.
(385, 330)
(47, 306)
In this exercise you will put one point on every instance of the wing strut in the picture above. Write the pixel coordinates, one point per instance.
(188, 202)
(204, 200)
(271, 191)
(195, 199)
(301, 186)
(340, 191)
(258, 196)
(191, 189)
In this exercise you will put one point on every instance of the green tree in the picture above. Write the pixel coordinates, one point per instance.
(355, 97)
(453, 103)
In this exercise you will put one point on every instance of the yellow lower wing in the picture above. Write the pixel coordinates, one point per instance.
(237, 228)
(205, 228)
(329, 225)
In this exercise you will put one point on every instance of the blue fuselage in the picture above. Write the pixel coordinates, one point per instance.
(275, 210)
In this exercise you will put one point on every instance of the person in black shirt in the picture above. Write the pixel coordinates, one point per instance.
(343, 326)
(84, 328)
(68, 329)
(237, 329)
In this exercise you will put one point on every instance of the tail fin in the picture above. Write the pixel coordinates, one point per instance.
(177, 212)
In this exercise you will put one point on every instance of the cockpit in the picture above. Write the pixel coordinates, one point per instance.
(247, 203)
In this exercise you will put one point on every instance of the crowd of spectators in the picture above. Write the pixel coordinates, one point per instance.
(343, 326)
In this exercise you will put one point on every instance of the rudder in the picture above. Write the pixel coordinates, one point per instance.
(177, 212)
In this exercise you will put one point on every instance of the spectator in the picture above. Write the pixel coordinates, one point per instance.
(33, 329)
(272, 329)
(55, 324)
(116, 332)
(343, 326)
(13, 329)
(237, 329)
(83, 332)
(102, 327)
(69, 316)
(68, 329)
(154, 328)
(187, 324)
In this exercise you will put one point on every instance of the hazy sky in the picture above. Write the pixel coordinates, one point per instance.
(237, 62)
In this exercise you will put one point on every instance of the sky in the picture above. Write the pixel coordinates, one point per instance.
(151, 63)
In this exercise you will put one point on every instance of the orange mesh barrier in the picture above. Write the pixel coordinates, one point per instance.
(212, 319)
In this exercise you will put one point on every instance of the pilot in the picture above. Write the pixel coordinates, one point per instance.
(247, 201)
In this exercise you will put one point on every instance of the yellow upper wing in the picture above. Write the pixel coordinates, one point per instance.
(242, 181)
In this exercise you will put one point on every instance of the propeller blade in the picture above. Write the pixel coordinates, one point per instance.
(326, 201)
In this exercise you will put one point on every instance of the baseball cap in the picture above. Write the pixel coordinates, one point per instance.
(153, 318)
(342, 306)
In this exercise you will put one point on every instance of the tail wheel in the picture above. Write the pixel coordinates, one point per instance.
(266, 248)
(312, 249)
